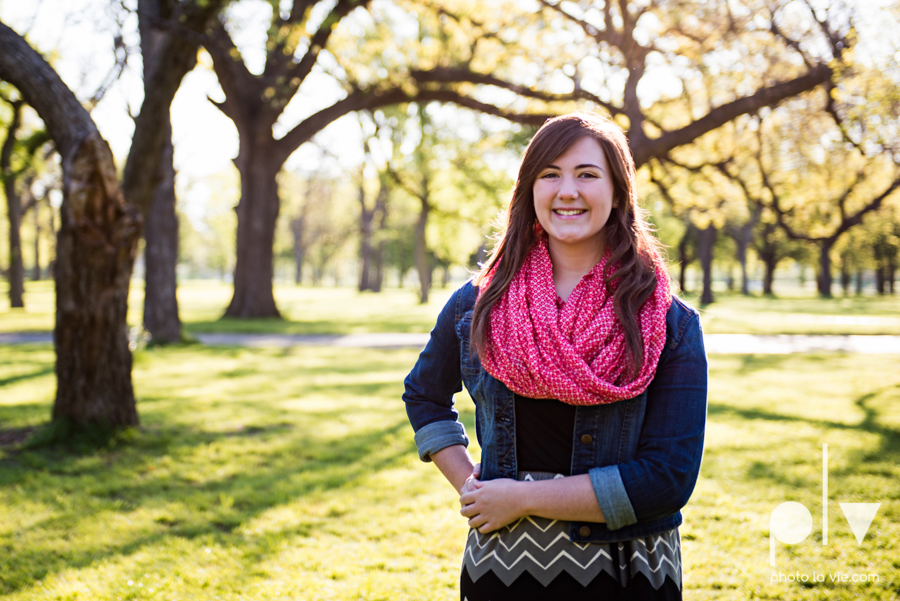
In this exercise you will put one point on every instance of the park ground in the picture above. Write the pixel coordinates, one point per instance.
(292, 473)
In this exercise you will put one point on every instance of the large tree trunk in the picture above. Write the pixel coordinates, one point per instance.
(257, 214)
(706, 243)
(95, 251)
(161, 258)
(96, 248)
(823, 278)
(16, 273)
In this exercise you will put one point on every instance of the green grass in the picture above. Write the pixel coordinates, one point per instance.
(732, 314)
(267, 474)
(305, 310)
(346, 311)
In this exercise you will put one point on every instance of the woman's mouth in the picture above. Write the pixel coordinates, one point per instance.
(569, 212)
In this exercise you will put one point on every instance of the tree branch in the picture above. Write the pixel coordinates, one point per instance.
(446, 75)
(372, 99)
(646, 149)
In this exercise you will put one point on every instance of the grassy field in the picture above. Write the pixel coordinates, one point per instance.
(346, 311)
(292, 474)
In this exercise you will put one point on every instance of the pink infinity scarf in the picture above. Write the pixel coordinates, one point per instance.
(576, 352)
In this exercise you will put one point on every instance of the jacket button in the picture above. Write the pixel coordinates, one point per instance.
(586, 439)
(584, 531)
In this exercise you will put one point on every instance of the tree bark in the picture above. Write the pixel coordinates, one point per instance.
(161, 258)
(298, 225)
(382, 244)
(96, 248)
(684, 257)
(891, 275)
(743, 236)
(16, 273)
(423, 265)
(706, 243)
(770, 260)
(257, 214)
(846, 276)
(371, 253)
(36, 269)
(823, 278)
(366, 220)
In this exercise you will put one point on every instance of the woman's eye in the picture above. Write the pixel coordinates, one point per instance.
(589, 175)
(549, 175)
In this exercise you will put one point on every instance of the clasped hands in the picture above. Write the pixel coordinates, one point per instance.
(491, 505)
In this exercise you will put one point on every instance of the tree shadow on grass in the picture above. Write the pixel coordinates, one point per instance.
(295, 462)
(38, 373)
(887, 451)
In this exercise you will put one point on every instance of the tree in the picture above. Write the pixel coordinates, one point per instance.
(96, 248)
(372, 216)
(818, 196)
(16, 274)
(170, 33)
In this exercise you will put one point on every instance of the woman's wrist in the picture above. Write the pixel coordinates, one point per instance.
(455, 463)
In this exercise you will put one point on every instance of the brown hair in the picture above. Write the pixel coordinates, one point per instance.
(633, 247)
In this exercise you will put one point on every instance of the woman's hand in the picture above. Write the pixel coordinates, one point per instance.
(469, 484)
(491, 505)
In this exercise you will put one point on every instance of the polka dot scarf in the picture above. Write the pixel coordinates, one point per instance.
(573, 351)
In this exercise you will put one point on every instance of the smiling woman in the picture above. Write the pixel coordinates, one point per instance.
(589, 382)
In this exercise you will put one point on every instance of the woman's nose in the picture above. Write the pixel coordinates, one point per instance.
(567, 189)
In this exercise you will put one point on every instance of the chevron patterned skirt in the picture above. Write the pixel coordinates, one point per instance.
(543, 549)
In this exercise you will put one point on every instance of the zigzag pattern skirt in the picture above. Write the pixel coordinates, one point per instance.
(543, 549)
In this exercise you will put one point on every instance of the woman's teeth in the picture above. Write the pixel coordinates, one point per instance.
(568, 212)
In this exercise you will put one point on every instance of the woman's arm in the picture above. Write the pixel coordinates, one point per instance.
(430, 386)
(456, 464)
(496, 503)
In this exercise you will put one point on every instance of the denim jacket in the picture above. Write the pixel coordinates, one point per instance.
(642, 454)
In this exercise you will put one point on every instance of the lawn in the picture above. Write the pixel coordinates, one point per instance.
(268, 474)
(346, 311)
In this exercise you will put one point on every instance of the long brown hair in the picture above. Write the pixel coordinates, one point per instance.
(633, 247)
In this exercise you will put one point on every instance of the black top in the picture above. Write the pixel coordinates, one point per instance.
(544, 431)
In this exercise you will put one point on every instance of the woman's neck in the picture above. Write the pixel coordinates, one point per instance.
(572, 264)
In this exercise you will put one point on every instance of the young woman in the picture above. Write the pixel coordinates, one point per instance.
(589, 381)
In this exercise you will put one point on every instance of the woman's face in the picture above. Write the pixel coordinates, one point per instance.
(573, 197)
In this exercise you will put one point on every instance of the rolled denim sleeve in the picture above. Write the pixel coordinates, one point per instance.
(430, 386)
(612, 497)
(660, 479)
